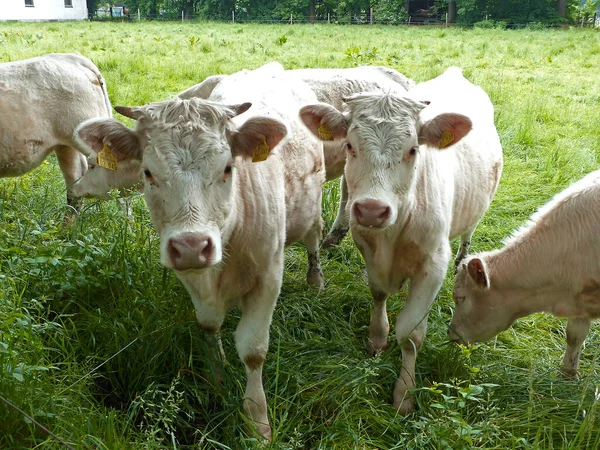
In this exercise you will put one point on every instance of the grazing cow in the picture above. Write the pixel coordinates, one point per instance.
(551, 265)
(406, 198)
(224, 216)
(329, 85)
(42, 100)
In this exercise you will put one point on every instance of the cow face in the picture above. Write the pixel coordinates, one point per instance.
(480, 312)
(385, 138)
(187, 150)
(99, 180)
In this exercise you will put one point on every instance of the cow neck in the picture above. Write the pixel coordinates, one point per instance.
(517, 273)
(525, 301)
(228, 232)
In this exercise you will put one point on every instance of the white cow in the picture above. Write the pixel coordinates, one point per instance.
(550, 265)
(329, 85)
(223, 219)
(406, 198)
(42, 100)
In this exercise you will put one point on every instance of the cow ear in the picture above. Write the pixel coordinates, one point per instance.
(478, 272)
(444, 130)
(95, 135)
(324, 121)
(257, 138)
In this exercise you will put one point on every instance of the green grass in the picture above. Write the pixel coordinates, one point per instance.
(99, 343)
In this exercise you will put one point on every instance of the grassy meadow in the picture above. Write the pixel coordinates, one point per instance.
(99, 344)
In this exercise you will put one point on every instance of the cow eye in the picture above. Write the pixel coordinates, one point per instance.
(349, 146)
(228, 168)
(458, 300)
(147, 173)
(413, 151)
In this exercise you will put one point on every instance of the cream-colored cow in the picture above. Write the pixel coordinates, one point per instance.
(223, 214)
(550, 265)
(42, 100)
(407, 198)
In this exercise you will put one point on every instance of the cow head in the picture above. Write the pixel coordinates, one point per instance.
(385, 137)
(481, 311)
(187, 151)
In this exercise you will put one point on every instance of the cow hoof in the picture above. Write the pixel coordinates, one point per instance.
(315, 278)
(404, 401)
(264, 430)
(570, 374)
(375, 347)
(334, 237)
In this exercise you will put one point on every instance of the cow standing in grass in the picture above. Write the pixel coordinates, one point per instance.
(550, 265)
(42, 100)
(329, 85)
(226, 201)
(417, 176)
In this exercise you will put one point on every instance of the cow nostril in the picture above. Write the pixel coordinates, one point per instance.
(206, 249)
(357, 211)
(174, 253)
(385, 215)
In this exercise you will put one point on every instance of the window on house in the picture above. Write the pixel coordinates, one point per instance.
(28, 2)
(68, 3)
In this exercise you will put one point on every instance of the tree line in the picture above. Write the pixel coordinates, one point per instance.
(550, 12)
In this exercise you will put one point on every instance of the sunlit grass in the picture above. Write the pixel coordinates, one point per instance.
(99, 343)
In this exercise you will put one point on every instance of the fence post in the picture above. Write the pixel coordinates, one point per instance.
(181, 16)
(328, 18)
(233, 16)
(138, 14)
(370, 16)
(291, 19)
(446, 20)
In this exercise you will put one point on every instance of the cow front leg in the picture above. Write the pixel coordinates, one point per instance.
(73, 166)
(379, 328)
(210, 321)
(577, 331)
(341, 225)
(252, 343)
(314, 275)
(411, 326)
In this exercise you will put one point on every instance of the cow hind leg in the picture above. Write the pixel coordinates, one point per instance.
(72, 165)
(314, 275)
(379, 329)
(341, 225)
(252, 343)
(577, 331)
(463, 247)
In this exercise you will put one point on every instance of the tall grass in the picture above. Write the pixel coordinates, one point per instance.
(99, 343)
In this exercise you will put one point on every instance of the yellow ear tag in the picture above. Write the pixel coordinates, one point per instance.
(447, 139)
(106, 159)
(261, 151)
(324, 133)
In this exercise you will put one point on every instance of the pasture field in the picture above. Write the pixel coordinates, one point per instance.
(99, 343)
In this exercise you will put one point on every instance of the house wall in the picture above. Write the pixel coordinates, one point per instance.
(42, 10)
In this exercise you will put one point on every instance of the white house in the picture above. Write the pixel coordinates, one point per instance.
(40, 10)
